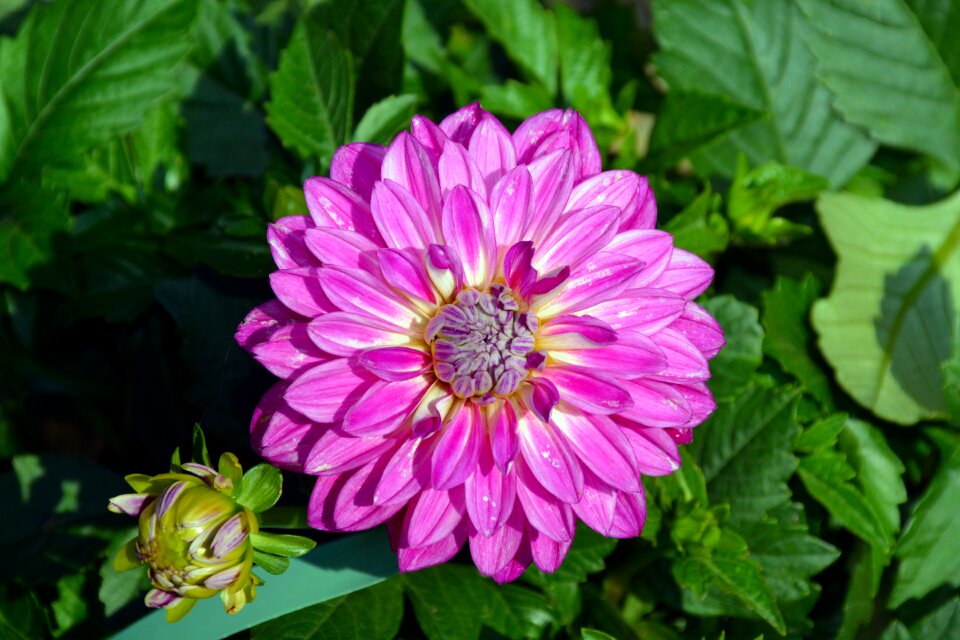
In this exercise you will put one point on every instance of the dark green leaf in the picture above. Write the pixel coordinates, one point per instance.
(736, 363)
(30, 223)
(822, 433)
(700, 228)
(119, 588)
(200, 453)
(271, 563)
(585, 74)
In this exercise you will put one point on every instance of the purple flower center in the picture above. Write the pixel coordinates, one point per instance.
(483, 343)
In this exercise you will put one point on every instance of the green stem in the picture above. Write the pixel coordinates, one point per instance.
(284, 518)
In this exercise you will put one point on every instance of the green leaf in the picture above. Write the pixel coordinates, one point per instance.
(736, 363)
(879, 471)
(515, 99)
(119, 588)
(755, 57)
(30, 224)
(593, 634)
(786, 335)
(261, 488)
(200, 453)
(311, 91)
(271, 563)
(690, 119)
(912, 86)
(860, 601)
(827, 475)
(822, 433)
(21, 616)
(887, 324)
(526, 31)
(700, 228)
(454, 601)
(730, 569)
(384, 119)
(745, 449)
(951, 380)
(282, 544)
(69, 608)
(69, 88)
(586, 556)
(375, 612)
(585, 73)
(929, 549)
(755, 194)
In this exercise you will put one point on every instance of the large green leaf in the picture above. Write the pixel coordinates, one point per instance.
(734, 366)
(910, 99)
(329, 571)
(80, 72)
(585, 74)
(886, 326)
(746, 447)
(311, 104)
(29, 225)
(929, 551)
(752, 54)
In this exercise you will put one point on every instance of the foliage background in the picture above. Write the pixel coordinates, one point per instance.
(806, 148)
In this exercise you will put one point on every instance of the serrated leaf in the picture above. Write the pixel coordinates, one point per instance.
(827, 475)
(312, 92)
(786, 336)
(527, 32)
(69, 87)
(585, 74)
(755, 57)
(887, 324)
(736, 363)
(912, 86)
(260, 488)
(822, 433)
(746, 450)
(385, 118)
(375, 612)
(929, 549)
(700, 228)
(879, 471)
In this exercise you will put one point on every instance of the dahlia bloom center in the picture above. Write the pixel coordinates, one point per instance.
(482, 343)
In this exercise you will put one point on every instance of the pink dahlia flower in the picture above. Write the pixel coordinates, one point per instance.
(480, 338)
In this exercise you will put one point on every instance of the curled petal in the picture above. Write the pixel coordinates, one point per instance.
(395, 363)
(575, 332)
(655, 450)
(685, 363)
(686, 275)
(656, 404)
(332, 204)
(262, 322)
(458, 450)
(598, 507)
(130, 503)
(459, 125)
(630, 516)
(699, 327)
(286, 239)
(357, 165)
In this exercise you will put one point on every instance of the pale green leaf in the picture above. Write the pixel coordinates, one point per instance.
(312, 92)
(81, 72)
(384, 119)
(260, 488)
(753, 54)
(515, 99)
(886, 326)
(282, 544)
(908, 101)
(526, 31)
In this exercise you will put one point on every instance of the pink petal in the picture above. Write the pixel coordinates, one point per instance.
(262, 322)
(543, 511)
(444, 269)
(510, 202)
(407, 164)
(504, 443)
(458, 450)
(395, 363)
(286, 240)
(588, 390)
(686, 275)
(343, 334)
(515, 568)
(342, 248)
(556, 129)
(646, 211)
(494, 551)
(578, 235)
(656, 452)
(701, 402)
(359, 292)
(601, 277)
(467, 229)
(327, 391)
(651, 247)
(281, 435)
(456, 167)
(699, 327)
(385, 406)
(517, 267)
(130, 503)
(643, 310)
(489, 494)
(630, 516)
(552, 177)
(406, 473)
(492, 148)
(460, 124)
(357, 165)
(575, 332)
(611, 188)
(685, 363)
(401, 219)
(601, 446)
(158, 599)
(353, 508)
(548, 554)
(414, 559)
(656, 404)
(430, 136)
(549, 458)
(335, 452)
(288, 351)
(332, 204)
(300, 291)
(229, 536)
(598, 507)
(407, 275)
(632, 356)
(434, 515)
